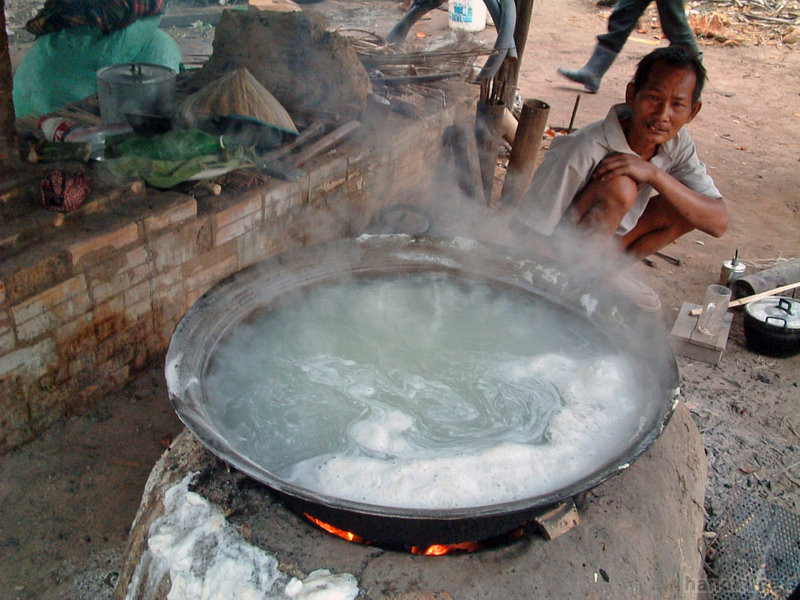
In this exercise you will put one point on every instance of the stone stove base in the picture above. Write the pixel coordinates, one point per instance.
(638, 536)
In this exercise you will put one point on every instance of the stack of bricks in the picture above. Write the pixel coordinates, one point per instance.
(86, 304)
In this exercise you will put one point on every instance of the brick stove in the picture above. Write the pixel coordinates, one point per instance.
(637, 538)
(639, 530)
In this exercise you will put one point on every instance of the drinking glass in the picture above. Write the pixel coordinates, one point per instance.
(715, 306)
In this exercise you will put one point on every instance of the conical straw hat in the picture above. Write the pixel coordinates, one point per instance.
(236, 93)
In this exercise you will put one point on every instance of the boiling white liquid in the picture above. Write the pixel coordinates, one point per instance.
(422, 392)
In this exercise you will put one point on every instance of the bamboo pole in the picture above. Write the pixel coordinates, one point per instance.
(9, 150)
(488, 118)
(524, 151)
(496, 95)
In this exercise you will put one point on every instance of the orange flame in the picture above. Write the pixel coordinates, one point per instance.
(441, 549)
(433, 550)
(345, 535)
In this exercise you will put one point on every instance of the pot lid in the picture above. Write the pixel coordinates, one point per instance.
(776, 310)
(135, 73)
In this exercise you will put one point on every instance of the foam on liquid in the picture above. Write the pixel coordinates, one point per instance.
(422, 392)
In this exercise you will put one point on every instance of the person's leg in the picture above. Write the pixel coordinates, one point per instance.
(659, 225)
(623, 19)
(675, 25)
(583, 237)
(620, 24)
(600, 207)
(591, 74)
(587, 243)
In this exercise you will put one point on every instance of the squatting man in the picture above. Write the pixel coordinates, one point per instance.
(635, 177)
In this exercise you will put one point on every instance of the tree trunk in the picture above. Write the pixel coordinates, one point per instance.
(8, 130)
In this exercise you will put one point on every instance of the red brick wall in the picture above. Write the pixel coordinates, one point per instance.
(95, 298)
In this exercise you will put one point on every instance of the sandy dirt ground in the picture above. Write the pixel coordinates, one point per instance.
(68, 499)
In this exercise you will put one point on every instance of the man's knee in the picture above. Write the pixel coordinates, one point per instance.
(659, 225)
(619, 192)
(602, 205)
(660, 214)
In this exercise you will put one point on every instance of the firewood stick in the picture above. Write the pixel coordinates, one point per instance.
(309, 133)
(754, 297)
(326, 142)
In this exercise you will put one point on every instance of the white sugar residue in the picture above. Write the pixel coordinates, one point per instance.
(463, 243)
(205, 558)
(203, 554)
(323, 585)
(589, 304)
(171, 375)
(527, 276)
(432, 259)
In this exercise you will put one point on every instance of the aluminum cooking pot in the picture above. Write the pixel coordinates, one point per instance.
(137, 88)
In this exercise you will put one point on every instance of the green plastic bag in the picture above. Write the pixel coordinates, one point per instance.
(175, 145)
(168, 173)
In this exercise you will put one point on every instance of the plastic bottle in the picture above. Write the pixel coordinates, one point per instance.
(54, 129)
(96, 136)
(466, 15)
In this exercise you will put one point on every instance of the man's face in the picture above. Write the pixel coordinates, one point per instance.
(662, 106)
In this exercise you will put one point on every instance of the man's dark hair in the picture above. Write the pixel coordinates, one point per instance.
(677, 57)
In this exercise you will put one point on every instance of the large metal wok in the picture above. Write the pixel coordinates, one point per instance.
(635, 335)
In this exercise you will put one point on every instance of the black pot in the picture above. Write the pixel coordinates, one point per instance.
(772, 326)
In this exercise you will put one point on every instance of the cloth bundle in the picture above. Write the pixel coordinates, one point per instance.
(62, 192)
(106, 15)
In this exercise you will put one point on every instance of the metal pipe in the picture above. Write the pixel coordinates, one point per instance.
(780, 274)
(574, 112)
(505, 39)
(525, 149)
(414, 14)
(669, 258)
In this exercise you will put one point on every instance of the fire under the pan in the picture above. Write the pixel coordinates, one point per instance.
(422, 391)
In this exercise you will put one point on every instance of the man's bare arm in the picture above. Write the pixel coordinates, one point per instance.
(702, 212)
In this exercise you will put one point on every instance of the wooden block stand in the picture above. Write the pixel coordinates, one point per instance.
(688, 341)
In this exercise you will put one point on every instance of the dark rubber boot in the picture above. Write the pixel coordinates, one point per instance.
(592, 73)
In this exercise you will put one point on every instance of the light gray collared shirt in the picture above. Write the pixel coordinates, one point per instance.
(571, 160)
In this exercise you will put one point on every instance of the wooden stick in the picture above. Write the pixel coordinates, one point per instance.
(308, 134)
(754, 297)
(407, 79)
(574, 112)
(324, 144)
